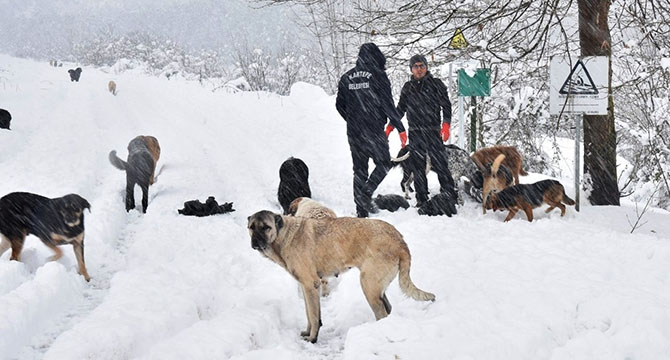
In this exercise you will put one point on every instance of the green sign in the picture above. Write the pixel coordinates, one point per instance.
(478, 85)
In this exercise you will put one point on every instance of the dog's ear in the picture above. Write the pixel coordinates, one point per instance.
(83, 203)
(279, 222)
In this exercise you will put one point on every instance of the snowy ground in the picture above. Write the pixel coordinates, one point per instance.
(165, 286)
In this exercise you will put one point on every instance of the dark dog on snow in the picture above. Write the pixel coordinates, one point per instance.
(526, 197)
(5, 119)
(143, 154)
(293, 182)
(440, 204)
(391, 202)
(210, 207)
(75, 74)
(460, 165)
(56, 222)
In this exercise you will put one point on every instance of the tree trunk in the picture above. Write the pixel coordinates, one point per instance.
(599, 133)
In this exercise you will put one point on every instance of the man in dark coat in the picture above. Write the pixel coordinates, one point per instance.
(364, 100)
(422, 99)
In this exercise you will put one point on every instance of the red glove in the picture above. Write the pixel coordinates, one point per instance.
(445, 131)
(403, 139)
(388, 130)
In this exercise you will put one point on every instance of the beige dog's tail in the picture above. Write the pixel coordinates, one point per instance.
(116, 161)
(406, 284)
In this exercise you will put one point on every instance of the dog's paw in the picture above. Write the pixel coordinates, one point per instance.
(310, 339)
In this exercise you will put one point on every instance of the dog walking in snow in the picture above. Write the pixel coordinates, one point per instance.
(143, 154)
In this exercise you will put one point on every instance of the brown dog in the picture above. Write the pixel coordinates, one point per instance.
(513, 162)
(526, 197)
(143, 154)
(111, 86)
(311, 249)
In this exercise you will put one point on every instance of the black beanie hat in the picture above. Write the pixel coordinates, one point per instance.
(417, 58)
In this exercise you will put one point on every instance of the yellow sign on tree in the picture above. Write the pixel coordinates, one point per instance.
(458, 40)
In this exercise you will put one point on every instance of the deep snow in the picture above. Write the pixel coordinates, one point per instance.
(166, 286)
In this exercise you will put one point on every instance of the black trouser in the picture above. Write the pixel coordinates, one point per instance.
(429, 143)
(363, 148)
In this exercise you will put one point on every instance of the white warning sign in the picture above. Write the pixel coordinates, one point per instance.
(578, 86)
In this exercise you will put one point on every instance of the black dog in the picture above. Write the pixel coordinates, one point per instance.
(75, 74)
(210, 207)
(460, 166)
(391, 202)
(5, 118)
(56, 222)
(440, 204)
(293, 182)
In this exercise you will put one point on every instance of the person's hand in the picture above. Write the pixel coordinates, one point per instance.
(388, 130)
(403, 139)
(445, 131)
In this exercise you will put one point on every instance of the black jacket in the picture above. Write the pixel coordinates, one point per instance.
(364, 95)
(422, 100)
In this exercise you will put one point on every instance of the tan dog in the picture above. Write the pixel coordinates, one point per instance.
(308, 208)
(111, 86)
(311, 249)
(513, 162)
(143, 154)
(526, 197)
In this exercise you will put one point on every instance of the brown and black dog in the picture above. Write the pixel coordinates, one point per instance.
(143, 154)
(512, 161)
(56, 222)
(526, 197)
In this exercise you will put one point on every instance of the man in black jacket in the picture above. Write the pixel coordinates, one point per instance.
(422, 98)
(364, 100)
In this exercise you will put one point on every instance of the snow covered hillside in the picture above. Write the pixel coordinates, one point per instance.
(166, 286)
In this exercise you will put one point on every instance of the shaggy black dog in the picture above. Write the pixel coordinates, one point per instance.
(5, 118)
(210, 207)
(391, 202)
(460, 166)
(58, 221)
(75, 74)
(293, 182)
(440, 204)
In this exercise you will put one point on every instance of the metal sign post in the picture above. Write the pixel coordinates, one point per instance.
(578, 88)
(578, 140)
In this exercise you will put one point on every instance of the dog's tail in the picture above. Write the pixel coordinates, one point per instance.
(566, 199)
(116, 161)
(400, 159)
(406, 284)
(496, 163)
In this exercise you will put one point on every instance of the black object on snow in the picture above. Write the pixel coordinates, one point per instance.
(210, 207)
(391, 202)
(440, 204)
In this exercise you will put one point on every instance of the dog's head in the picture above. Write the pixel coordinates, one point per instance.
(71, 208)
(294, 169)
(263, 228)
